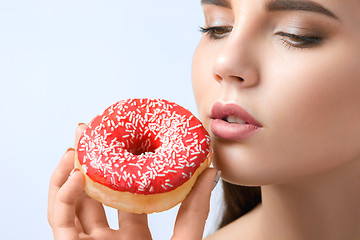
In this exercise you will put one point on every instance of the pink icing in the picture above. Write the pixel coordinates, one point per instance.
(143, 146)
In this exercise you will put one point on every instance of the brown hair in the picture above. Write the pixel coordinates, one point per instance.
(238, 200)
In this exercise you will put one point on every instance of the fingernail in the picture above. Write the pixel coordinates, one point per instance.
(79, 124)
(216, 180)
(70, 149)
(73, 171)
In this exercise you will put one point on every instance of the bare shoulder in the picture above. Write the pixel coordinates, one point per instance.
(242, 228)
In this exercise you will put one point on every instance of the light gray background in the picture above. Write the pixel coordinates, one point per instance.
(62, 62)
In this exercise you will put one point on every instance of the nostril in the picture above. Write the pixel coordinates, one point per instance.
(240, 79)
(218, 78)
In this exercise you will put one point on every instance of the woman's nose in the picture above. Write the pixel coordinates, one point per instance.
(236, 62)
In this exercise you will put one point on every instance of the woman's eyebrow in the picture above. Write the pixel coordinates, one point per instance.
(292, 5)
(221, 3)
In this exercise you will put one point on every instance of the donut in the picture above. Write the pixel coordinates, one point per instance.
(142, 155)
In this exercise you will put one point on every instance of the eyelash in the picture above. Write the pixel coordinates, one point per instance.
(299, 41)
(289, 39)
(216, 33)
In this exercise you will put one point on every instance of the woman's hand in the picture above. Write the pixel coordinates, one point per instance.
(73, 215)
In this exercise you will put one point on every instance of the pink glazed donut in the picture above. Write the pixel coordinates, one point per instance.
(143, 155)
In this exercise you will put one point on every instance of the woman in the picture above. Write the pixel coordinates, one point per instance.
(282, 106)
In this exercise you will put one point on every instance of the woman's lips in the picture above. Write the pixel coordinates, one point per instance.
(231, 122)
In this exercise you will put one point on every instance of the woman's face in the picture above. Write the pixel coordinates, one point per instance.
(294, 66)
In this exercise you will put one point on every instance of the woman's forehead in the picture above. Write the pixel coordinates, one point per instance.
(349, 9)
(227, 3)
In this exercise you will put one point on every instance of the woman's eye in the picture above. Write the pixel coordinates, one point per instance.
(299, 41)
(216, 32)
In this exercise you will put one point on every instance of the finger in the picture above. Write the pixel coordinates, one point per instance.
(133, 225)
(126, 218)
(194, 210)
(91, 214)
(63, 222)
(59, 177)
(78, 225)
(79, 130)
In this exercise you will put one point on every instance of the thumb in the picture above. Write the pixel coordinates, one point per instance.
(194, 210)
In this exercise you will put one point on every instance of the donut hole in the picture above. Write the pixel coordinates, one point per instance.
(143, 147)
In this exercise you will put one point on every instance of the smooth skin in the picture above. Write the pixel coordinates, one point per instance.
(73, 215)
(296, 71)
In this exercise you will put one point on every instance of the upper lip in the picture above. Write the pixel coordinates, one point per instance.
(222, 110)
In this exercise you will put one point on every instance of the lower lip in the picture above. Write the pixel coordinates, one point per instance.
(232, 131)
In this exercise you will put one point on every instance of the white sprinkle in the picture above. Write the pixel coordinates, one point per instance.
(194, 153)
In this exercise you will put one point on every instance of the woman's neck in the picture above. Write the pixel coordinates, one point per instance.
(326, 206)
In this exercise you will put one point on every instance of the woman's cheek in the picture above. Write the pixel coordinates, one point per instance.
(204, 86)
(316, 111)
(197, 81)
